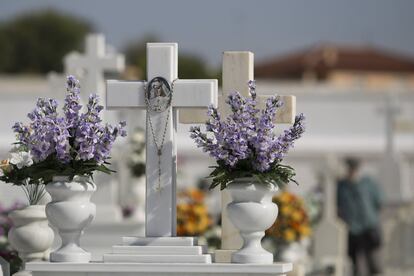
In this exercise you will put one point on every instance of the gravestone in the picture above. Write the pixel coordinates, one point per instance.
(89, 67)
(238, 69)
(330, 235)
(399, 245)
(160, 252)
(399, 223)
(394, 173)
(161, 153)
(92, 65)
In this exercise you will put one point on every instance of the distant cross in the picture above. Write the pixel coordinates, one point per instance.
(92, 65)
(237, 71)
(392, 169)
(162, 62)
(330, 233)
(390, 110)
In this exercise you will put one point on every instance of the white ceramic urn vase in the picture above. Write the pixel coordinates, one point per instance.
(70, 212)
(31, 235)
(252, 212)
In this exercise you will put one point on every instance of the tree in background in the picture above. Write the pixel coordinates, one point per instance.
(189, 66)
(37, 42)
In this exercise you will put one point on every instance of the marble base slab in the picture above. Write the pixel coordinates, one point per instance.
(158, 250)
(160, 241)
(172, 259)
(124, 269)
(223, 255)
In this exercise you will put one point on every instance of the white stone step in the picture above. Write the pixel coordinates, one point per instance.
(160, 241)
(158, 250)
(136, 269)
(181, 259)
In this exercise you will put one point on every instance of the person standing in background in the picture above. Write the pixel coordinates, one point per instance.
(359, 202)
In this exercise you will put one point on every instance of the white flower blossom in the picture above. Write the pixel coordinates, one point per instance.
(21, 159)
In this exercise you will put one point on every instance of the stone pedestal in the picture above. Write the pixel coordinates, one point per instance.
(112, 269)
(101, 236)
(158, 250)
(4, 267)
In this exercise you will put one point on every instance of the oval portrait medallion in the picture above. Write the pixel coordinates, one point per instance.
(159, 94)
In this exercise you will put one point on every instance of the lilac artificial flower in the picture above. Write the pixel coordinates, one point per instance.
(74, 136)
(247, 133)
(22, 133)
(252, 88)
(72, 102)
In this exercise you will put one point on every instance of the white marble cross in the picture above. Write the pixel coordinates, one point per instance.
(237, 71)
(92, 65)
(161, 62)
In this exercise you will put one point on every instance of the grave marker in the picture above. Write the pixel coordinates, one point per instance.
(92, 65)
(161, 62)
(238, 68)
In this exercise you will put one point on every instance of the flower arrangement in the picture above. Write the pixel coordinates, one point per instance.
(293, 222)
(244, 144)
(137, 158)
(52, 145)
(13, 170)
(192, 216)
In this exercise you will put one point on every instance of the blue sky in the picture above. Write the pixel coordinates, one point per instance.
(267, 28)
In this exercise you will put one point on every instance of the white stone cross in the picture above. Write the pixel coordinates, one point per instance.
(162, 62)
(238, 69)
(92, 65)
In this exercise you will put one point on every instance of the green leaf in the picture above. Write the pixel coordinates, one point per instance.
(279, 175)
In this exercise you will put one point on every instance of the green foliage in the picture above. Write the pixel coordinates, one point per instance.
(279, 174)
(44, 171)
(192, 67)
(37, 42)
(137, 169)
(136, 53)
(136, 160)
(189, 66)
(51, 167)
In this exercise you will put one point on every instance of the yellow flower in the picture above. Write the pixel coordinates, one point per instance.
(289, 235)
(199, 210)
(297, 216)
(5, 166)
(196, 195)
(305, 230)
(284, 197)
(190, 228)
(192, 214)
(183, 207)
(204, 223)
(287, 210)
